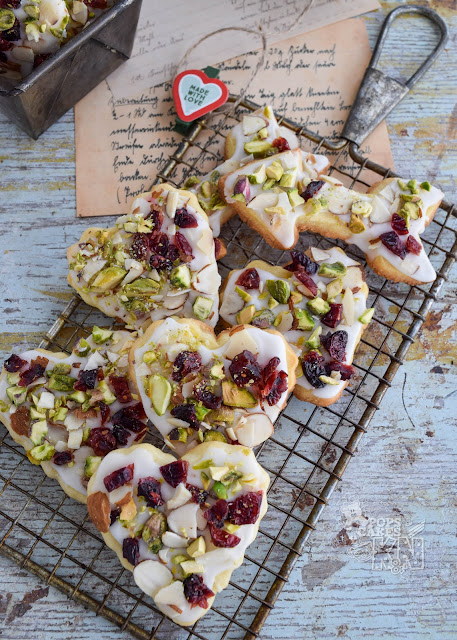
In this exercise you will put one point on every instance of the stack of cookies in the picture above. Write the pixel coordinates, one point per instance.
(181, 521)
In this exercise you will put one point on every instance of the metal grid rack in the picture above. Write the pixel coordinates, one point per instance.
(50, 535)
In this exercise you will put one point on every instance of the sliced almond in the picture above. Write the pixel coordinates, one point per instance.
(175, 302)
(172, 202)
(99, 510)
(254, 430)
(318, 255)
(20, 421)
(263, 200)
(252, 124)
(206, 242)
(348, 307)
(380, 212)
(183, 520)
(151, 576)
(238, 342)
(302, 288)
(339, 200)
(286, 323)
(207, 280)
(353, 278)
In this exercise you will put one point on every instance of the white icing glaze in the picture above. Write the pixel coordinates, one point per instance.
(147, 461)
(163, 303)
(293, 336)
(337, 199)
(316, 163)
(72, 476)
(170, 331)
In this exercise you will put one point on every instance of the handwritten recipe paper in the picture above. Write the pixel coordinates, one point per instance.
(158, 50)
(312, 79)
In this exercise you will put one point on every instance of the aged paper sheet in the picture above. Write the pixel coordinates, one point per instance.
(312, 79)
(166, 30)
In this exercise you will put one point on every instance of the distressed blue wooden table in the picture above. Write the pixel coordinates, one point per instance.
(403, 478)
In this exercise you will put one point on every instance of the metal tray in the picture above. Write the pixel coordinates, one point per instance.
(40, 99)
(50, 535)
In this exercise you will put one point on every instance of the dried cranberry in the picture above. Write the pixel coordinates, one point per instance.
(249, 279)
(196, 592)
(159, 244)
(31, 374)
(392, 241)
(184, 248)
(281, 144)
(14, 363)
(185, 362)
(346, 370)
(246, 508)
(114, 515)
(208, 399)
(301, 260)
(278, 387)
(184, 219)
(40, 58)
(413, 246)
(122, 435)
(245, 369)
(62, 457)
(140, 246)
(186, 412)
(102, 441)
(313, 366)
(222, 538)
(121, 388)
(175, 472)
(173, 252)
(105, 412)
(217, 514)
(13, 34)
(10, 4)
(118, 478)
(199, 496)
(149, 489)
(312, 189)
(86, 380)
(156, 215)
(160, 263)
(305, 279)
(333, 317)
(336, 344)
(131, 550)
(96, 4)
(399, 225)
(5, 45)
(128, 418)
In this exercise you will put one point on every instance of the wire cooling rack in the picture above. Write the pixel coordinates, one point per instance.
(50, 535)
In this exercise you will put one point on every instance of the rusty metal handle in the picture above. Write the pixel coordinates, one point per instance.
(379, 93)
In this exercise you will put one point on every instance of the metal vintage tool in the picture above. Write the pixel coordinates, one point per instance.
(306, 457)
(379, 93)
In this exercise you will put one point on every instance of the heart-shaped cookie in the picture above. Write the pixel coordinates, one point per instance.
(157, 261)
(195, 386)
(69, 411)
(384, 223)
(318, 303)
(195, 94)
(182, 526)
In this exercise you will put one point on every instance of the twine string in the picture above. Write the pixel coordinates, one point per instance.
(260, 63)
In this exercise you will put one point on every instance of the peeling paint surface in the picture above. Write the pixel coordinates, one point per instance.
(405, 469)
